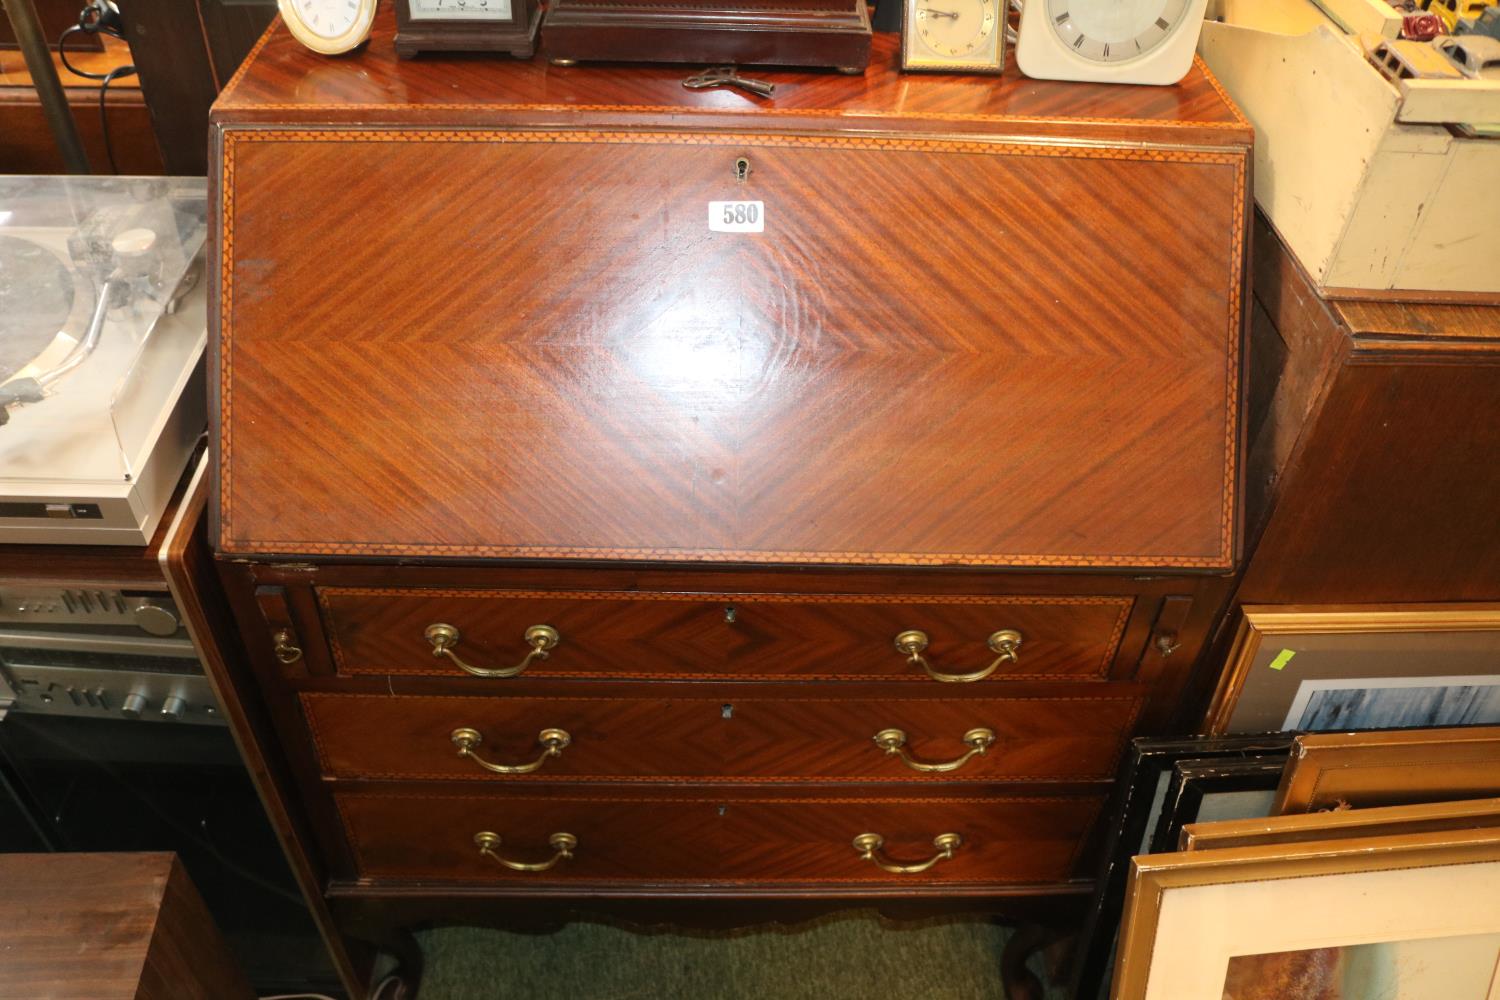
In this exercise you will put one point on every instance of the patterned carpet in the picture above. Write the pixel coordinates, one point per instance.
(853, 956)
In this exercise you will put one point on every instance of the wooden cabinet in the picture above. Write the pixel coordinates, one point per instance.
(511, 440)
(1374, 432)
(126, 926)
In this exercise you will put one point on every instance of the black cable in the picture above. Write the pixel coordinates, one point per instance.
(62, 53)
(93, 19)
(109, 78)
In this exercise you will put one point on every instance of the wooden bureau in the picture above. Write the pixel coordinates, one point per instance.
(664, 563)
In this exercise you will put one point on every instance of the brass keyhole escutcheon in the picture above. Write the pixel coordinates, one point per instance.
(741, 169)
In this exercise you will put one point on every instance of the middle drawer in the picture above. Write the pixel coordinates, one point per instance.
(724, 736)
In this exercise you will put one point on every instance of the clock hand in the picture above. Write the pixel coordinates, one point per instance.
(941, 13)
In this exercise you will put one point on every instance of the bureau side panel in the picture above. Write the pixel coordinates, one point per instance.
(534, 344)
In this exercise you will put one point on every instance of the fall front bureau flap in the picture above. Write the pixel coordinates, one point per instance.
(528, 343)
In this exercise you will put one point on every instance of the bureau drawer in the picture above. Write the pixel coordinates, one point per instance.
(721, 735)
(739, 636)
(740, 838)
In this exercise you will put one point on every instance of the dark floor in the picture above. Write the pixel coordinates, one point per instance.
(841, 957)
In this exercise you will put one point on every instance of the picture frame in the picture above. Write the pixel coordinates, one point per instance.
(1210, 790)
(1377, 821)
(1336, 770)
(1146, 771)
(1297, 668)
(1384, 905)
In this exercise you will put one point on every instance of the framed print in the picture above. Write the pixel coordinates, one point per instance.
(1340, 667)
(1359, 917)
(1215, 790)
(1335, 770)
(1377, 821)
(1146, 772)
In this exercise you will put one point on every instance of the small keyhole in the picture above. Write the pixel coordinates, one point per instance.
(723, 810)
(729, 614)
(727, 712)
(741, 169)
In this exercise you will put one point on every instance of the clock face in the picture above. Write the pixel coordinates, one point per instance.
(460, 10)
(959, 30)
(1108, 31)
(328, 26)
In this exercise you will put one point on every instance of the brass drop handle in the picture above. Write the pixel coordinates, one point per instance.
(893, 742)
(552, 740)
(1005, 642)
(562, 844)
(869, 844)
(286, 650)
(540, 638)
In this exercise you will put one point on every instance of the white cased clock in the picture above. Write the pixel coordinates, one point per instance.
(1109, 41)
(331, 27)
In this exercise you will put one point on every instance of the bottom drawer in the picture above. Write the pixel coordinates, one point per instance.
(738, 837)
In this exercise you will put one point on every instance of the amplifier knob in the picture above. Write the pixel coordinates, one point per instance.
(155, 619)
(173, 708)
(134, 704)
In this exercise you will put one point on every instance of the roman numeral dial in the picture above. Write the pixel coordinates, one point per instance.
(1114, 31)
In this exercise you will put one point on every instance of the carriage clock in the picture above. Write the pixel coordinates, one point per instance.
(467, 26)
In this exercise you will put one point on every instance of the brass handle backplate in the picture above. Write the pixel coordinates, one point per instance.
(1005, 643)
(869, 844)
(552, 740)
(540, 638)
(286, 650)
(562, 844)
(893, 742)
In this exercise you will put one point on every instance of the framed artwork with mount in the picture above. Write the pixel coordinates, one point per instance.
(1360, 667)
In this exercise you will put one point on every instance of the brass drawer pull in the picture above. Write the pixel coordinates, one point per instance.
(867, 844)
(540, 638)
(1005, 642)
(286, 650)
(893, 742)
(553, 740)
(562, 843)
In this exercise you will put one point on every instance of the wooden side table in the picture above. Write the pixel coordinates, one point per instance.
(107, 926)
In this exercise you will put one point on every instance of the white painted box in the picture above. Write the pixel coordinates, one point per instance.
(1370, 182)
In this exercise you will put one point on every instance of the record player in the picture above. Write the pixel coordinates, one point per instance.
(102, 336)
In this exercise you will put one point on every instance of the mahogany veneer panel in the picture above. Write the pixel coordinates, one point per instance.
(723, 735)
(690, 635)
(726, 840)
(1027, 387)
(126, 926)
(282, 82)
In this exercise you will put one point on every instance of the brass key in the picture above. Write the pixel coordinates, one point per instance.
(727, 76)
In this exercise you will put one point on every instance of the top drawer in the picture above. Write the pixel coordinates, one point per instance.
(726, 636)
(1017, 354)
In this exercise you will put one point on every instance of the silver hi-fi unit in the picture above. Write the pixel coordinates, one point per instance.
(99, 653)
(102, 336)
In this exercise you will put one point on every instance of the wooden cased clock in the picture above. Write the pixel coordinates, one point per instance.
(467, 26)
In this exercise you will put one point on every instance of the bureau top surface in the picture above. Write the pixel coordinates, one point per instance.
(283, 82)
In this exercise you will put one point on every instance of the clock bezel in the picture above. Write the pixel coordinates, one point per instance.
(364, 20)
(1042, 54)
(982, 68)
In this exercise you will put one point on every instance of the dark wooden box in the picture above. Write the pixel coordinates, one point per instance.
(824, 33)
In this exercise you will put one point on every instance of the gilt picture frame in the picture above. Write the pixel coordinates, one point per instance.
(1297, 668)
(1200, 925)
(1376, 821)
(1359, 770)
